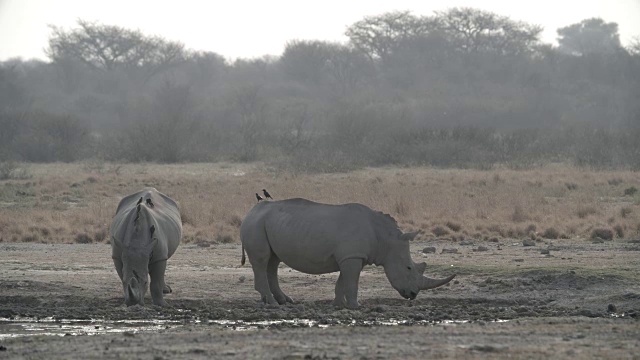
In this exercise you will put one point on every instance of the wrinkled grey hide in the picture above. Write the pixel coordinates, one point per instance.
(318, 238)
(145, 232)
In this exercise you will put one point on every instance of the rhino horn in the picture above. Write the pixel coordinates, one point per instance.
(428, 283)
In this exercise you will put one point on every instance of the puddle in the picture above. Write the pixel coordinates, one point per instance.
(23, 326)
(19, 327)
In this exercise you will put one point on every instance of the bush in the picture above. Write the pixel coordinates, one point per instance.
(44, 137)
(551, 233)
(224, 239)
(453, 226)
(439, 231)
(9, 170)
(583, 212)
(602, 233)
(619, 230)
(630, 191)
(83, 239)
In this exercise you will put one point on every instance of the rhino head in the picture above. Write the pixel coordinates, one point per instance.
(405, 275)
(135, 265)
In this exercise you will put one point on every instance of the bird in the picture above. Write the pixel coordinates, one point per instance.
(258, 197)
(266, 194)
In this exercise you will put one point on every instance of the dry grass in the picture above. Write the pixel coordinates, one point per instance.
(67, 202)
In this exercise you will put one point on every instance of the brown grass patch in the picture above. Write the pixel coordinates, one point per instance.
(213, 198)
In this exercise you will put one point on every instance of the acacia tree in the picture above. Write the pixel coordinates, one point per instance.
(378, 36)
(472, 31)
(107, 47)
(589, 36)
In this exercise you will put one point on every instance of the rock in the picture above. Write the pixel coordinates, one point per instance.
(449, 251)
(611, 308)
(528, 242)
(544, 251)
(3, 348)
(481, 248)
(518, 260)
(241, 279)
(466, 242)
(429, 250)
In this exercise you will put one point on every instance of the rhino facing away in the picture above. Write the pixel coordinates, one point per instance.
(145, 232)
(316, 238)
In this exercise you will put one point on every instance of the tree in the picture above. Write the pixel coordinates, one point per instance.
(108, 48)
(589, 36)
(473, 31)
(12, 93)
(304, 61)
(249, 105)
(378, 36)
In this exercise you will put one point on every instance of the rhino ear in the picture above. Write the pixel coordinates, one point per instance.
(409, 236)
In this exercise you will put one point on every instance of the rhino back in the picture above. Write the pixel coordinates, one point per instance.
(163, 213)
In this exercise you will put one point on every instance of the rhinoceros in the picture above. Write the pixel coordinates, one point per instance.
(145, 232)
(317, 238)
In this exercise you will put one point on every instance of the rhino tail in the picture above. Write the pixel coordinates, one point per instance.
(242, 261)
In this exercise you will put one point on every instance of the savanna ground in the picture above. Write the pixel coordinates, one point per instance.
(553, 251)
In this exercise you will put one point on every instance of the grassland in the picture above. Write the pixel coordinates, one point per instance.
(74, 203)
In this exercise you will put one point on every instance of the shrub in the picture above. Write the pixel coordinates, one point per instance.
(619, 230)
(615, 181)
(439, 231)
(9, 170)
(31, 238)
(83, 239)
(224, 239)
(571, 186)
(235, 221)
(453, 226)
(583, 212)
(100, 235)
(518, 214)
(625, 211)
(602, 233)
(551, 233)
(630, 191)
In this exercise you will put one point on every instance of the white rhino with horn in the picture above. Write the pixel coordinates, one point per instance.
(316, 238)
(145, 232)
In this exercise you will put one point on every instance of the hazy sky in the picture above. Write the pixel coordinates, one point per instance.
(235, 28)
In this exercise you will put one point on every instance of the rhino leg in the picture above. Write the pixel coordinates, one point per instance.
(259, 262)
(340, 299)
(156, 272)
(272, 277)
(167, 289)
(350, 273)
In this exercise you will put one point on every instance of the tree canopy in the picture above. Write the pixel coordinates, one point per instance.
(588, 37)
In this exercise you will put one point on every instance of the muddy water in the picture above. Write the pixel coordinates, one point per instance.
(25, 326)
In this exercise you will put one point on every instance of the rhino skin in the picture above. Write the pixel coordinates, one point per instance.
(145, 232)
(317, 238)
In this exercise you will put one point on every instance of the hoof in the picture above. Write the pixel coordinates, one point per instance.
(284, 300)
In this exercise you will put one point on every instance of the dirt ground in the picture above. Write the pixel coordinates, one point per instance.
(566, 298)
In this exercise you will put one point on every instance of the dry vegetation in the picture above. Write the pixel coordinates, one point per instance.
(66, 203)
